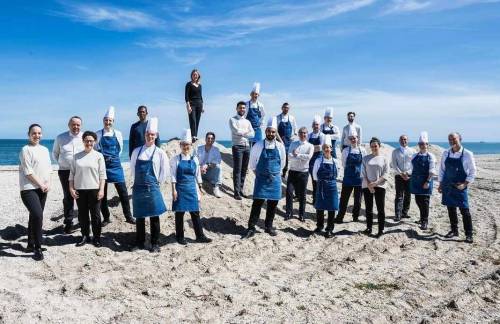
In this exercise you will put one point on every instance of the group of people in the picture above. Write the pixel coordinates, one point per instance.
(89, 161)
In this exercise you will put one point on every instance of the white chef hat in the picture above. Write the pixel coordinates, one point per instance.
(272, 122)
(110, 113)
(327, 139)
(352, 131)
(186, 136)
(424, 137)
(329, 112)
(152, 126)
(317, 119)
(256, 87)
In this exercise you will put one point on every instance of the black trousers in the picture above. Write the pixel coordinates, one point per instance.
(68, 201)
(320, 219)
(241, 156)
(403, 196)
(466, 218)
(179, 224)
(88, 204)
(194, 117)
(121, 189)
(345, 194)
(255, 212)
(34, 200)
(140, 227)
(423, 203)
(285, 169)
(298, 181)
(379, 196)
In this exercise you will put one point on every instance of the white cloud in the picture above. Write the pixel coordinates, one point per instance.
(401, 6)
(110, 17)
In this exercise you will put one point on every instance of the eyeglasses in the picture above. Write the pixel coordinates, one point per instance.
(88, 141)
(302, 132)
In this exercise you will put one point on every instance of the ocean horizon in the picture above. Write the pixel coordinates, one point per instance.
(10, 148)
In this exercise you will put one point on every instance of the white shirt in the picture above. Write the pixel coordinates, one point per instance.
(305, 151)
(257, 150)
(212, 156)
(357, 150)
(34, 160)
(401, 159)
(336, 132)
(467, 161)
(160, 161)
(432, 162)
(257, 104)
(117, 133)
(174, 162)
(65, 147)
(318, 162)
(345, 133)
(241, 130)
(288, 118)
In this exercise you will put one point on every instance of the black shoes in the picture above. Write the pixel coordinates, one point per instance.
(355, 218)
(182, 241)
(397, 218)
(106, 222)
(451, 234)
(38, 255)
(423, 226)
(68, 228)
(367, 231)
(137, 247)
(301, 218)
(405, 216)
(339, 220)
(271, 231)
(237, 197)
(318, 230)
(84, 240)
(329, 234)
(130, 220)
(250, 233)
(243, 195)
(155, 248)
(288, 216)
(379, 234)
(97, 242)
(203, 239)
(30, 248)
(468, 239)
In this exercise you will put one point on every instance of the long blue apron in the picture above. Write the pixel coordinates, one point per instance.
(147, 199)
(329, 131)
(420, 174)
(454, 173)
(314, 141)
(110, 149)
(285, 131)
(268, 175)
(327, 195)
(187, 195)
(254, 116)
(352, 170)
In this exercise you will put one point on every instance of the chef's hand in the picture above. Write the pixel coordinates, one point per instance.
(73, 193)
(174, 195)
(204, 169)
(295, 152)
(100, 194)
(426, 185)
(44, 187)
(461, 186)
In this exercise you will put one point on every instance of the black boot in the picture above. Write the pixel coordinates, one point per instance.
(84, 240)
(38, 255)
(451, 234)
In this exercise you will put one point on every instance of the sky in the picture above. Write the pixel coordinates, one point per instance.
(403, 66)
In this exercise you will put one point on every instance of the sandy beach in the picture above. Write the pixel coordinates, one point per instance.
(408, 275)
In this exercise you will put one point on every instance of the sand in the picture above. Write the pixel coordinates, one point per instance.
(408, 275)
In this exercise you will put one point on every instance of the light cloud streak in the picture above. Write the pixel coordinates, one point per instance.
(405, 6)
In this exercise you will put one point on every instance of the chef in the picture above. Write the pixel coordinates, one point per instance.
(110, 144)
(327, 197)
(316, 137)
(287, 129)
(346, 142)
(255, 112)
(329, 128)
(423, 166)
(401, 165)
(299, 154)
(352, 158)
(149, 166)
(138, 131)
(186, 183)
(458, 170)
(267, 159)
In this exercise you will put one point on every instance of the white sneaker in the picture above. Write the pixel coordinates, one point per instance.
(217, 192)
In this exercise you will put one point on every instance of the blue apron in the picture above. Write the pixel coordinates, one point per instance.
(352, 170)
(147, 199)
(254, 116)
(327, 195)
(420, 174)
(187, 195)
(329, 131)
(268, 175)
(314, 141)
(110, 149)
(285, 132)
(454, 173)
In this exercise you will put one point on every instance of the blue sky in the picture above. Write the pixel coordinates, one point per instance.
(402, 65)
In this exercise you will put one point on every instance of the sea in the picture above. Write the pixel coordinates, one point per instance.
(10, 148)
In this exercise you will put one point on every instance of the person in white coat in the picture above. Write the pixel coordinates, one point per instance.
(328, 128)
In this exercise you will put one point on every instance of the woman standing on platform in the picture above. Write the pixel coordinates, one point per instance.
(34, 182)
(186, 182)
(194, 103)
